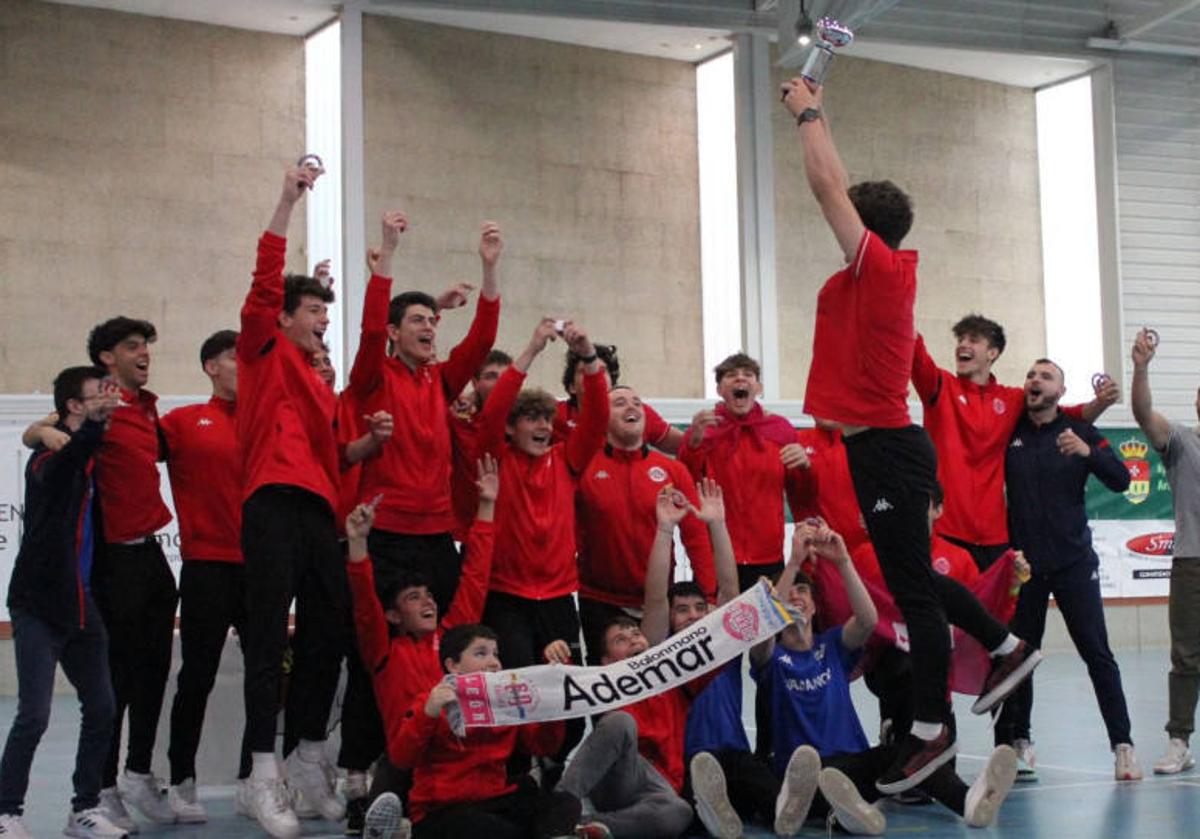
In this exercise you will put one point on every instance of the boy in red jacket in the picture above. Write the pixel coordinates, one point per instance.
(460, 784)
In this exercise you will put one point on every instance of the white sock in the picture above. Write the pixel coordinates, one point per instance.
(356, 784)
(1007, 646)
(926, 730)
(263, 766)
(311, 750)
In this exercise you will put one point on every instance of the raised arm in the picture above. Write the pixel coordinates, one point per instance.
(1107, 395)
(823, 166)
(695, 537)
(828, 545)
(370, 625)
(712, 512)
(494, 417)
(760, 653)
(468, 356)
(588, 437)
(260, 313)
(671, 506)
(926, 377)
(469, 597)
(1154, 425)
(366, 373)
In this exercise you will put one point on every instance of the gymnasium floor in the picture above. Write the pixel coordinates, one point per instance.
(1076, 796)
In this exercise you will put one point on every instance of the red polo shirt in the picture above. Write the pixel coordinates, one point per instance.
(863, 339)
(205, 466)
(127, 470)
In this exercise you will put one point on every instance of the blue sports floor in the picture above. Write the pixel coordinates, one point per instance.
(1075, 797)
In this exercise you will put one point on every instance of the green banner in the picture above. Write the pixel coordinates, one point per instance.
(1149, 494)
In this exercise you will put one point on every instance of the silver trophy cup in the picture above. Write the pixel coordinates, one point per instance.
(830, 36)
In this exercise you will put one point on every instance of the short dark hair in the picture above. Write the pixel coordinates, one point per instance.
(296, 286)
(533, 403)
(988, 330)
(884, 209)
(68, 384)
(220, 341)
(737, 361)
(1055, 365)
(458, 638)
(113, 331)
(403, 578)
(616, 619)
(685, 588)
(402, 301)
(605, 352)
(497, 357)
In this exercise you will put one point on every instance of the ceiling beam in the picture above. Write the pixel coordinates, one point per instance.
(1152, 20)
(734, 16)
(1149, 47)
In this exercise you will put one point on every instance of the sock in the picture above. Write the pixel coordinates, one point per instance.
(311, 750)
(356, 784)
(926, 730)
(1007, 646)
(263, 766)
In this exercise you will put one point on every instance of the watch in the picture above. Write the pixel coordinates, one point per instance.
(808, 115)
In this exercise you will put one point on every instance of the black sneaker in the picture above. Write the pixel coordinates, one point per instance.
(356, 815)
(917, 760)
(1007, 672)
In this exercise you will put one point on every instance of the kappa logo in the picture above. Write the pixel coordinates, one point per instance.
(1016, 443)
(882, 506)
(601, 474)
(741, 621)
(203, 421)
(657, 474)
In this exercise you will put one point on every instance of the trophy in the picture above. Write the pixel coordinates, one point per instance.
(830, 35)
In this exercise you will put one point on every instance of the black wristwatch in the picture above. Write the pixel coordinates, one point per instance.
(808, 115)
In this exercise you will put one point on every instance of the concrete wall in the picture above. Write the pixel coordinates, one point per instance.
(966, 151)
(141, 159)
(586, 157)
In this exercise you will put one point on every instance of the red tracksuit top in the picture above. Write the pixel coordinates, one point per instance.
(753, 481)
(285, 411)
(413, 470)
(205, 465)
(451, 770)
(464, 494)
(616, 522)
(971, 426)
(127, 478)
(826, 489)
(402, 666)
(535, 513)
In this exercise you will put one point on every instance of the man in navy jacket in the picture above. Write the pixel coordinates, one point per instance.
(54, 619)
(1046, 468)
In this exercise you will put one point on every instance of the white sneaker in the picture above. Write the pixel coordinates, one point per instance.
(266, 800)
(144, 793)
(181, 798)
(1026, 761)
(114, 810)
(1125, 765)
(797, 790)
(312, 796)
(989, 790)
(712, 798)
(1177, 759)
(385, 819)
(11, 827)
(847, 806)
(92, 824)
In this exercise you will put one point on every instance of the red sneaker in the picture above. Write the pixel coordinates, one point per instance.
(1007, 672)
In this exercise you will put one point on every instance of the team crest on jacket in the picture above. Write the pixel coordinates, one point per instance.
(657, 474)
(998, 405)
(1133, 452)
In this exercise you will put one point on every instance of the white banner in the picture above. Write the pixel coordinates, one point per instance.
(1135, 556)
(557, 692)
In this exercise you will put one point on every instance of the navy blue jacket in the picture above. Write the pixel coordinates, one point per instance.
(46, 579)
(1046, 515)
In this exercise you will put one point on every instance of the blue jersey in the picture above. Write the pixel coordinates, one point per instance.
(808, 696)
(715, 720)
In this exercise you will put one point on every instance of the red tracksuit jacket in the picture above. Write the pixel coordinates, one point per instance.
(285, 412)
(535, 513)
(826, 489)
(413, 470)
(616, 523)
(127, 470)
